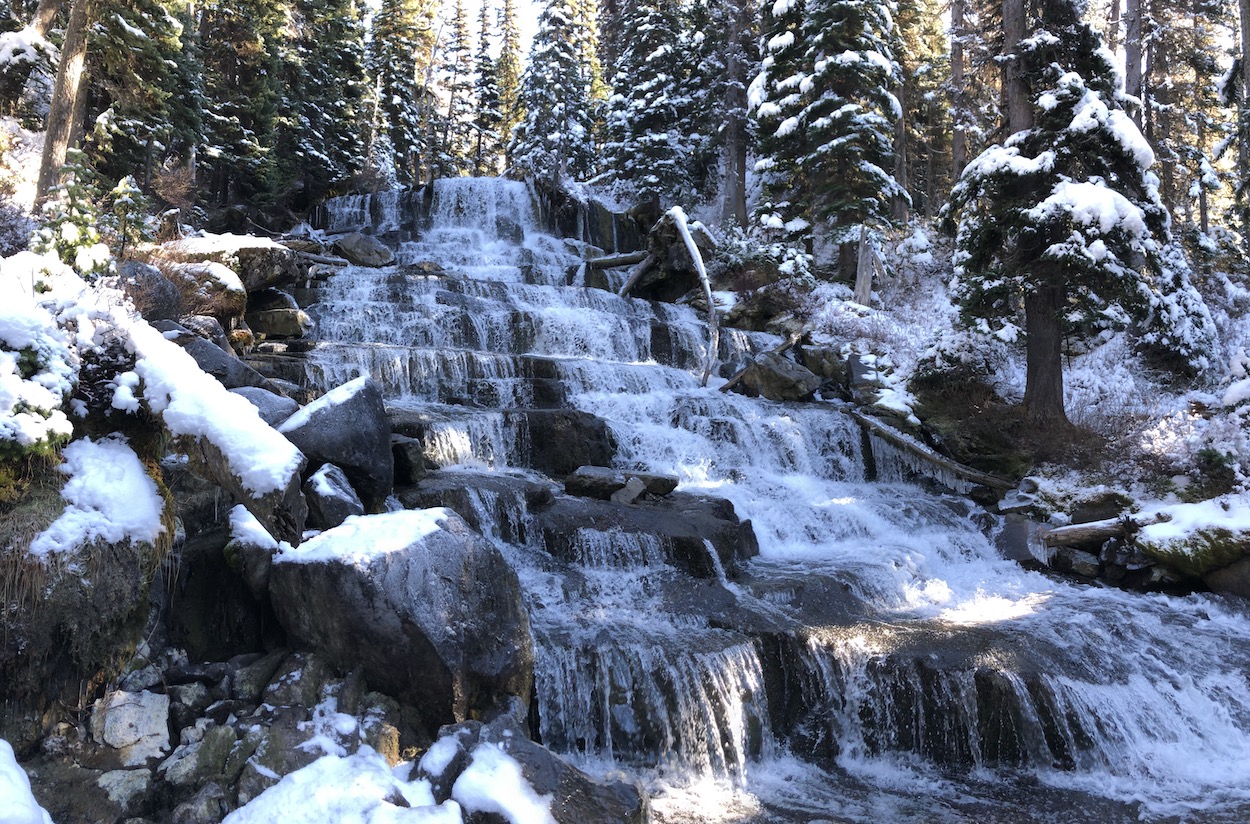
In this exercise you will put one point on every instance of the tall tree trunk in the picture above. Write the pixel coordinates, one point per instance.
(1043, 382)
(1113, 25)
(1043, 385)
(45, 15)
(959, 91)
(1243, 121)
(1133, 55)
(734, 186)
(67, 96)
(900, 156)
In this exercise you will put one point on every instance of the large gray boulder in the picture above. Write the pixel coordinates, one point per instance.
(273, 408)
(774, 377)
(272, 313)
(558, 441)
(153, 294)
(364, 250)
(467, 755)
(348, 428)
(428, 610)
(227, 368)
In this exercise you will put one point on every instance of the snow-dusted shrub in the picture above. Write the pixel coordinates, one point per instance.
(71, 220)
(742, 252)
(963, 354)
(37, 373)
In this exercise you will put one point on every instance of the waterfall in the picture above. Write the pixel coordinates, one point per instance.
(879, 660)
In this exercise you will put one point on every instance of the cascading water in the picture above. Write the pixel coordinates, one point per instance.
(879, 661)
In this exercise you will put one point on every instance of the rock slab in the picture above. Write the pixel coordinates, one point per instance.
(427, 608)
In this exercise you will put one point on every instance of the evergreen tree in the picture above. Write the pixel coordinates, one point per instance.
(922, 146)
(553, 142)
(1064, 218)
(242, 84)
(403, 45)
(487, 116)
(827, 114)
(149, 103)
(508, 77)
(323, 103)
(455, 145)
(649, 144)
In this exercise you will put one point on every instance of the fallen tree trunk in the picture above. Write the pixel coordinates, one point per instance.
(965, 473)
(612, 261)
(636, 274)
(1094, 531)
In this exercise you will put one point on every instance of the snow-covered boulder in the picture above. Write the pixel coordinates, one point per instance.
(331, 499)
(208, 288)
(495, 768)
(348, 428)
(363, 250)
(258, 261)
(427, 608)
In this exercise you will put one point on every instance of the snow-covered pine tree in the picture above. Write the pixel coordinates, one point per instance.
(242, 76)
(134, 53)
(1064, 219)
(649, 145)
(455, 145)
(402, 49)
(323, 104)
(508, 77)
(826, 109)
(553, 142)
(486, 116)
(777, 96)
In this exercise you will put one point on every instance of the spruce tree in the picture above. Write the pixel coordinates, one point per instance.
(649, 148)
(148, 105)
(403, 44)
(487, 116)
(1064, 218)
(508, 78)
(242, 86)
(323, 103)
(554, 141)
(826, 111)
(455, 144)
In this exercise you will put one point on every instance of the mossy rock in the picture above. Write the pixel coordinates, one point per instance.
(1199, 552)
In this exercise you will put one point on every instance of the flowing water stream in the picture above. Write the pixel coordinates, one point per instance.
(877, 662)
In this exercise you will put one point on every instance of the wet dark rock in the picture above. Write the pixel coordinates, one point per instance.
(209, 614)
(558, 441)
(1233, 579)
(602, 482)
(208, 806)
(209, 328)
(439, 624)
(410, 463)
(509, 499)
(348, 427)
(250, 681)
(682, 522)
(331, 499)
